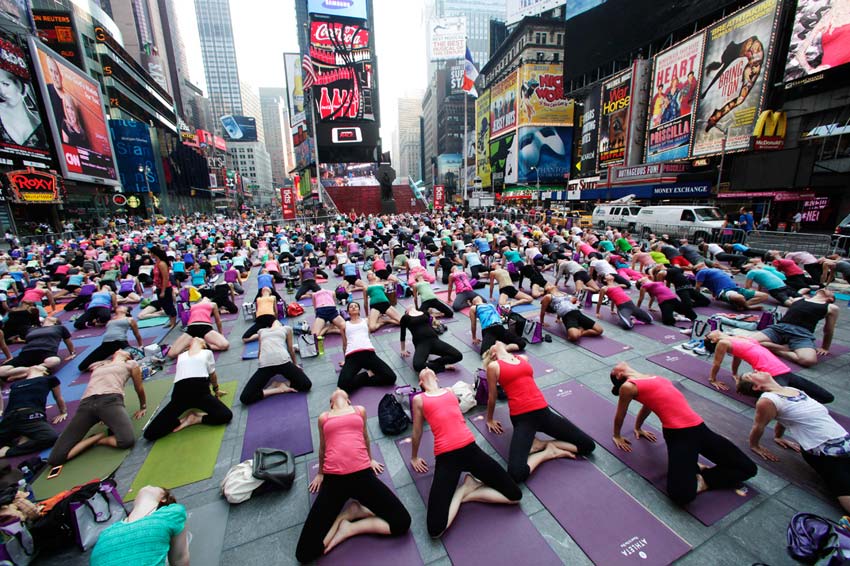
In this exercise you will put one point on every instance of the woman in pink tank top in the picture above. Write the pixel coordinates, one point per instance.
(346, 470)
(686, 435)
(625, 308)
(455, 452)
(200, 325)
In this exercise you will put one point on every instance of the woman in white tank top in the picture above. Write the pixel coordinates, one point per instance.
(362, 366)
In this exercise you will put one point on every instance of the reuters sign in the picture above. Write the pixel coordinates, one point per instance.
(769, 132)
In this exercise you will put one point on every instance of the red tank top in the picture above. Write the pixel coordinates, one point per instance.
(661, 397)
(345, 447)
(157, 278)
(201, 313)
(518, 382)
(447, 423)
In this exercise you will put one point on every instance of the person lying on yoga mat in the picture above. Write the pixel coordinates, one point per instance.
(492, 327)
(41, 348)
(622, 304)
(114, 338)
(99, 310)
(686, 435)
(201, 316)
(568, 312)
(19, 321)
(530, 414)
(669, 304)
(308, 283)
(103, 401)
(455, 452)
(362, 367)
(276, 357)
(347, 473)
(823, 443)
(376, 302)
(426, 299)
(195, 390)
(24, 428)
(426, 342)
(507, 291)
(328, 318)
(760, 359)
(153, 534)
(461, 285)
(264, 315)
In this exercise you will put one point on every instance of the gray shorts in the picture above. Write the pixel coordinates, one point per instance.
(795, 336)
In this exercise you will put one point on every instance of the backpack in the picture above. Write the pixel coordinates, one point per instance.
(55, 530)
(812, 538)
(768, 318)
(294, 309)
(532, 331)
(482, 388)
(403, 290)
(391, 416)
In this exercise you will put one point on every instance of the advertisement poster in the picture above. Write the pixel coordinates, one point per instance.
(518, 9)
(342, 61)
(76, 115)
(589, 132)
(675, 77)
(134, 151)
(503, 106)
(447, 38)
(576, 7)
(544, 151)
(340, 8)
(23, 135)
(17, 11)
(542, 101)
(819, 41)
(456, 69)
(482, 138)
(613, 120)
(294, 88)
(239, 128)
(502, 161)
(56, 29)
(736, 62)
(288, 202)
(638, 106)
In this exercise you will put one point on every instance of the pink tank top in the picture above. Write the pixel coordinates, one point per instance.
(758, 356)
(324, 298)
(201, 313)
(345, 447)
(618, 295)
(661, 397)
(462, 283)
(447, 423)
(33, 295)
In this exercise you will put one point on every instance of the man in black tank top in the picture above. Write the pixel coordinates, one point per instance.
(793, 337)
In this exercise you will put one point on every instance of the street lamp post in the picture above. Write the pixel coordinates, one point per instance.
(144, 170)
(722, 155)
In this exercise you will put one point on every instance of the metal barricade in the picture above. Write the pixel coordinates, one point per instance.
(840, 245)
(817, 244)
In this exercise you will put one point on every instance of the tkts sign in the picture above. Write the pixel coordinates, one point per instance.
(439, 197)
(33, 187)
(287, 202)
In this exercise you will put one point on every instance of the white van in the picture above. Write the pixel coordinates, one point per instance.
(697, 221)
(617, 215)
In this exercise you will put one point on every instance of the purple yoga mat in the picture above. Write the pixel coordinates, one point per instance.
(698, 370)
(370, 549)
(613, 528)
(88, 332)
(600, 345)
(369, 397)
(496, 535)
(279, 421)
(594, 415)
(464, 335)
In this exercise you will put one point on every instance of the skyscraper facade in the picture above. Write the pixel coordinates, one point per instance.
(218, 51)
(409, 138)
(273, 105)
(251, 107)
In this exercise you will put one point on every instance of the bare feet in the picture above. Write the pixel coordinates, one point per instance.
(470, 484)
(343, 532)
(558, 452)
(279, 388)
(191, 419)
(450, 367)
(3, 451)
(352, 512)
(701, 485)
(538, 446)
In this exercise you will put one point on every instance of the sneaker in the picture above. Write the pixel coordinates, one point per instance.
(158, 360)
(692, 344)
(700, 350)
(686, 331)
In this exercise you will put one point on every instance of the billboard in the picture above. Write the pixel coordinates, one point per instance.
(503, 105)
(544, 151)
(294, 88)
(447, 38)
(736, 62)
(17, 11)
(239, 128)
(482, 138)
(576, 7)
(134, 151)
(613, 120)
(542, 101)
(339, 8)
(75, 110)
(819, 40)
(23, 135)
(519, 9)
(288, 202)
(589, 132)
(675, 84)
(502, 161)
(57, 30)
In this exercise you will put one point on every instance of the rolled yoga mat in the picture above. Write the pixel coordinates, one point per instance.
(602, 346)
(374, 550)
(612, 528)
(155, 321)
(100, 462)
(594, 415)
(183, 457)
(280, 421)
(496, 535)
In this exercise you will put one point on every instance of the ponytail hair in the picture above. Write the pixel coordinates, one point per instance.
(616, 383)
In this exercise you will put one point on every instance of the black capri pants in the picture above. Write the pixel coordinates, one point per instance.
(192, 393)
(548, 422)
(498, 333)
(447, 354)
(253, 390)
(98, 314)
(102, 352)
(437, 305)
(262, 321)
(354, 374)
(463, 300)
(447, 469)
(690, 297)
(306, 286)
(670, 307)
(808, 387)
(833, 470)
(335, 491)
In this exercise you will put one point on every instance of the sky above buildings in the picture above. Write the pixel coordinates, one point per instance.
(264, 29)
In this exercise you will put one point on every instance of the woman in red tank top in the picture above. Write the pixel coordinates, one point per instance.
(685, 433)
(530, 413)
(347, 471)
(455, 452)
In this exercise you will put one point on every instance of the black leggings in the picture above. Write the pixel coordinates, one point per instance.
(309, 285)
(810, 388)
(434, 347)
(192, 393)
(447, 469)
(684, 447)
(29, 424)
(671, 306)
(735, 260)
(548, 422)
(498, 333)
(102, 352)
(627, 310)
(815, 271)
(262, 321)
(834, 471)
(99, 314)
(77, 302)
(336, 489)
(463, 300)
(437, 305)
(691, 298)
(353, 374)
(253, 390)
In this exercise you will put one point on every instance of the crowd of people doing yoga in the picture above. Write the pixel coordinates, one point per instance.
(364, 277)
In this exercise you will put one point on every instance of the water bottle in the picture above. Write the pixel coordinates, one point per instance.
(320, 343)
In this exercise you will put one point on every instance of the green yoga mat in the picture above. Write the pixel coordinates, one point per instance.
(184, 457)
(100, 462)
(155, 321)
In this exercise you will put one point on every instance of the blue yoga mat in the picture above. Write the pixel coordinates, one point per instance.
(251, 351)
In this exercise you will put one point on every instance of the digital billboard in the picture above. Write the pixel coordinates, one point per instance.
(613, 120)
(503, 105)
(543, 152)
(17, 11)
(519, 9)
(239, 128)
(447, 38)
(75, 110)
(502, 161)
(675, 86)
(339, 8)
(736, 64)
(57, 30)
(819, 40)
(482, 138)
(294, 88)
(137, 162)
(542, 101)
(589, 132)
